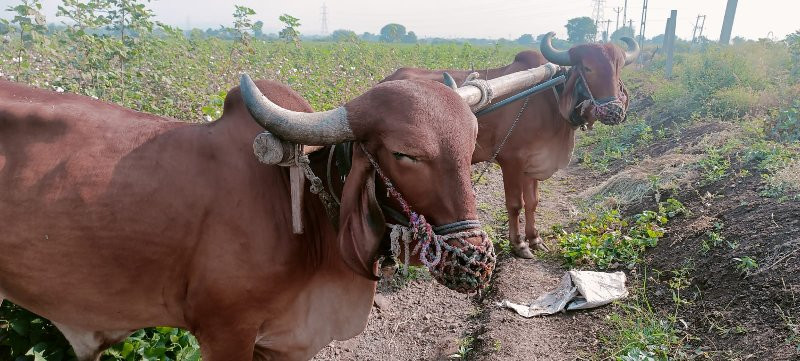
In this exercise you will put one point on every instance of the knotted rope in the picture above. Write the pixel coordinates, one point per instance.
(487, 94)
(462, 267)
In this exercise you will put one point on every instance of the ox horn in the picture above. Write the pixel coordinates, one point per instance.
(633, 50)
(319, 128)
(560, 57)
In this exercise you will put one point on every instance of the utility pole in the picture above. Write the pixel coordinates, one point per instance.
(618, 10)
(606, 35)
(669, 42)
(727, 23)
(702, 25)
(324, 19)
(642, 25)
(625, 14)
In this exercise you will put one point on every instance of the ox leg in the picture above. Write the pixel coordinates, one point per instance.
(226, 343)
(512, 183)
(88, 345)
(530, 194)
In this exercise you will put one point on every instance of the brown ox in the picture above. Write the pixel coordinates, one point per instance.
(114, 220)
(544, 137)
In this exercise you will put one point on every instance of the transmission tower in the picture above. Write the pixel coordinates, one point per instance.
(598, 12)
(618, 10)
(324, 19)
(697, 26)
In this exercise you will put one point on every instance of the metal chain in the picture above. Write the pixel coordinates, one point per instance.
(508, 134)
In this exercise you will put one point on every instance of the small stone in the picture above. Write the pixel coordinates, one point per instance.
(381, 302)
(428, 316)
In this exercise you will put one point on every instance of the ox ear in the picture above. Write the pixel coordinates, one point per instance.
(361, 224)
(566, 100)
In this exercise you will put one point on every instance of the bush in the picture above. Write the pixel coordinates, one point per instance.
(785, 127)
(732, 103)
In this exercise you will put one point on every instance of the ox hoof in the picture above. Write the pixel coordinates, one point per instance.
(522, 250)
(539, 245)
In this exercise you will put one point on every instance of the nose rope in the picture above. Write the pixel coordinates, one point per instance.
(462, 267)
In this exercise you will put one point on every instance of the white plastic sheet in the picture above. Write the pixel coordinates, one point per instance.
(577, 290)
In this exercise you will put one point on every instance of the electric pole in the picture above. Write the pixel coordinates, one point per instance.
(669, 42)
(727, 23)
(324, 19)
(642, 25)
(625, 14)
(618, 10)
(702, 25)
(605, 32)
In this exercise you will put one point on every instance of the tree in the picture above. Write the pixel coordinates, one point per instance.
(258, 29)
(621, 32)
(410, 37)
(581, 30)
(290, 33)
(393, 33)
(366, 36)
(343, 35)
(793, 41)
(525, 39)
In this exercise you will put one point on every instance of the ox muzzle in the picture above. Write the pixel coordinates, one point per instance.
(609, 110)
(445, 250)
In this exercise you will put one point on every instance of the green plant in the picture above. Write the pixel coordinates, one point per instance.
(290, 32)
(156, 344)
(25, 336)
(714, 167)
(785, 126)
(31, 25)
(640, 333)
(745, 264)
(465, 346)
(607, 240)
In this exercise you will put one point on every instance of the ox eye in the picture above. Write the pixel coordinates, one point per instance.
(586, 69)
(401, 156)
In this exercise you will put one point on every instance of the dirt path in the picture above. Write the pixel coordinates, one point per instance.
(423, 320)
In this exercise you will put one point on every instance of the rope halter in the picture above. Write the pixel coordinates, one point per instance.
(610, 110)
(460, 266)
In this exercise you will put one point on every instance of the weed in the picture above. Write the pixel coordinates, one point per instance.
(745, 264)
(607, 240)
(714, 167)
(465, 346)
(639, 333)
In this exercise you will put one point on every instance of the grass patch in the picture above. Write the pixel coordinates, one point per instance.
(639, 333)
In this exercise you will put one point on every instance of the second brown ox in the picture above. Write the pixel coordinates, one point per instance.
(544, 135)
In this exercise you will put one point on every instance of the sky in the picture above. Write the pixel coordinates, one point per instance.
(475, 18)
